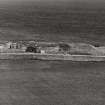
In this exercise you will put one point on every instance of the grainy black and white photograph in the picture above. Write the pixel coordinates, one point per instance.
(52, 52)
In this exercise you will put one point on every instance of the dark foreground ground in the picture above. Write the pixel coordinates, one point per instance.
(52, 83)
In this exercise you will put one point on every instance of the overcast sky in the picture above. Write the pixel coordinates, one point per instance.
(66, 1)
(53, 0)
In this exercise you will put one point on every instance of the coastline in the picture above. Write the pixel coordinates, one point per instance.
(37, 56)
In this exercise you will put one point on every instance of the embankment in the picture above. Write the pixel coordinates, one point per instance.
(27, 56)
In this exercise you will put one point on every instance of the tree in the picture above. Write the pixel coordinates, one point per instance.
(31, 49)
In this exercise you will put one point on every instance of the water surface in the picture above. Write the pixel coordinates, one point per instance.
(51, 82)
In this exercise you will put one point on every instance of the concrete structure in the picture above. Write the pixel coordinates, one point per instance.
(62, 51)
(8, 45)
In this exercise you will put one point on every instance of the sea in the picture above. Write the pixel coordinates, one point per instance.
(39, 82)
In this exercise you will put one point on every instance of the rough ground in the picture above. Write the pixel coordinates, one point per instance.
(52, 83)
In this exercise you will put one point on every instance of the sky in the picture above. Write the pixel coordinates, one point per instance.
(53, 0)
(50, 1)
